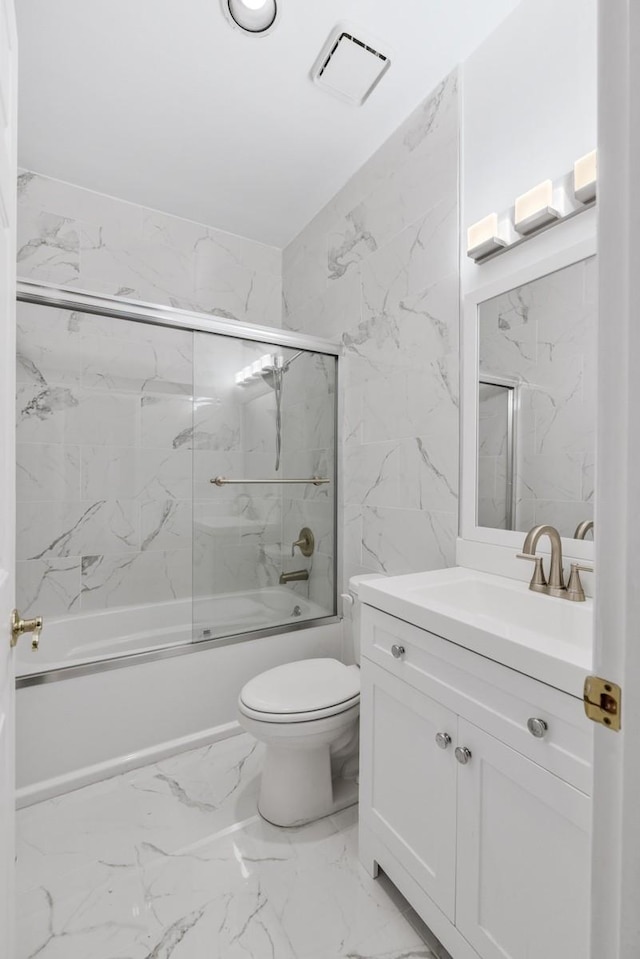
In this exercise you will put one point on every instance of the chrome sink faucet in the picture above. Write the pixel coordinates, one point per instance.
(555, 586)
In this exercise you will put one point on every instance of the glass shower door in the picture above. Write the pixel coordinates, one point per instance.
(497, 409)
(264, 486)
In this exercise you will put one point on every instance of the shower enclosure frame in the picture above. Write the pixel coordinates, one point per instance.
(47, 294)
(513, 387)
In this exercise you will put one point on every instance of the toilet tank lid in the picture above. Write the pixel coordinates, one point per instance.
(303, 686)
(355, 581)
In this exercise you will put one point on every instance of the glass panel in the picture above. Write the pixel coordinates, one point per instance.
(262, 413)
(104, 479)
(122, 540)
(494, 456)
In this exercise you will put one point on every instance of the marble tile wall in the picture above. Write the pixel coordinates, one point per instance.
(378, 267)
(75, 237)
(121, 427)
(544, 334)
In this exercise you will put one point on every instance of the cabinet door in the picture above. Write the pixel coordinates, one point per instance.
(408, 783)
(523, 855)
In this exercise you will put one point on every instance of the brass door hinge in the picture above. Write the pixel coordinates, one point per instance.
(602, 702)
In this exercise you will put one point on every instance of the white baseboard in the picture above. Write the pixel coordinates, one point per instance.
(48, 788)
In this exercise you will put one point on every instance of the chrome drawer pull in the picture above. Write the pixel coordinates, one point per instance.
(443, 740)
(397, 651)
(463, 755)
(537, 727)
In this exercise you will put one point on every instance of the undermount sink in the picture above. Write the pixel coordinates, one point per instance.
(547, 638)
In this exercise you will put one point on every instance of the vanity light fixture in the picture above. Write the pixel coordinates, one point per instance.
(253, 16)
(534, 209)
(483, 238)
(585, 176)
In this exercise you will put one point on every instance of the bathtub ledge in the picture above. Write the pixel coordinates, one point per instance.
(48, 788)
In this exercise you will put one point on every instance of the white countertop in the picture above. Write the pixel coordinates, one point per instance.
(544, 637)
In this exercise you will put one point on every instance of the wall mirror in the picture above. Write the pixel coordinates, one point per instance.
(529, 421)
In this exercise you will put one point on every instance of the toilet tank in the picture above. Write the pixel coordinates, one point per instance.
(351, 617)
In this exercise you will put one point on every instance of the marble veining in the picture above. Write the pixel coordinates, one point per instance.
(53, 248)
(72, 236)
(378, 266)
(172, 861)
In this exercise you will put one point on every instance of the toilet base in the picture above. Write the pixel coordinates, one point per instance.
(309, 768)
(345, 794)
(298, 786)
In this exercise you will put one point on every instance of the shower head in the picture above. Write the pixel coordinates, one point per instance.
(273, 374)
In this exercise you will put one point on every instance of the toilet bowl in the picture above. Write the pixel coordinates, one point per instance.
(306, 713)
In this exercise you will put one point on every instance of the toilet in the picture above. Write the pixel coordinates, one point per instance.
(306, 713)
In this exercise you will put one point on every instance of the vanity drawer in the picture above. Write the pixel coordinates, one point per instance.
(498, 699)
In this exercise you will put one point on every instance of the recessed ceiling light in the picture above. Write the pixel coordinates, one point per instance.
(254, 16)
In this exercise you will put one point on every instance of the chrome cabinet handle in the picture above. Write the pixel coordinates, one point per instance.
(537, 727)
(443, 740)
(397, 651)
(463, 755)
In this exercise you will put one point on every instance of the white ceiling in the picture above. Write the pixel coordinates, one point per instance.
(162, 103)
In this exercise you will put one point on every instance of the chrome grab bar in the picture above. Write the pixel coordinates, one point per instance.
(223, 481)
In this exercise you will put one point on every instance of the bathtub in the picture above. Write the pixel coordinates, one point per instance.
(116, 689)
(139, 630)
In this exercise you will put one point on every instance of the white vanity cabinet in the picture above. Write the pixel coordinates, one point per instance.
(494, 851)
(523, 860)
(412, 783)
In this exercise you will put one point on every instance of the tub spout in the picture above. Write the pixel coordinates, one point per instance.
(297, 576)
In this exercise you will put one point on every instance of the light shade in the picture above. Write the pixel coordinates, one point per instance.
(585, 175)
(254, 16)
(483, 239)
(534, 209)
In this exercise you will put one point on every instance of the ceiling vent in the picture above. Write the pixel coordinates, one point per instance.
(349, 67)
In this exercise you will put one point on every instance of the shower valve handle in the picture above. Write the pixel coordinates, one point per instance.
(306, 542)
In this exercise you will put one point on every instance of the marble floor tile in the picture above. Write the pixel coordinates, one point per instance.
(172, 861)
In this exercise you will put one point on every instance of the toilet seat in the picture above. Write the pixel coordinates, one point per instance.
(301, 692)
(290, 718)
